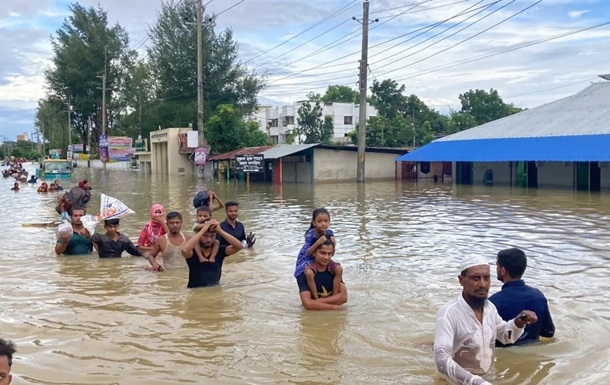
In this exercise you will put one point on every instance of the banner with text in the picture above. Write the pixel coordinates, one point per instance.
(120, 148)
(250, 163)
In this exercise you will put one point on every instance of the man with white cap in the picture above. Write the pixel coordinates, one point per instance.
(468, 326)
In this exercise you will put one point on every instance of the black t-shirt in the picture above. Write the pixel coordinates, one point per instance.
(238, 232)
(205, 273)
(324, 283)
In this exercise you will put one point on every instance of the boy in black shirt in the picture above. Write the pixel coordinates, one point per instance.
(112, 244)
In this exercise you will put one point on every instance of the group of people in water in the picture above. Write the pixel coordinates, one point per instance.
(467, 329)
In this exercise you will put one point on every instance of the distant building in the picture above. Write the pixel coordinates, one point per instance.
(278, 121)
(23, 137)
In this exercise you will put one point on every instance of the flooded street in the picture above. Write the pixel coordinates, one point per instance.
(82, 320)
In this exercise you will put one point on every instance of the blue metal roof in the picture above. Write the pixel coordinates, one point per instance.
(570, 148)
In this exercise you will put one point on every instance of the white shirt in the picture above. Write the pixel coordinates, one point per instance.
(462, 346)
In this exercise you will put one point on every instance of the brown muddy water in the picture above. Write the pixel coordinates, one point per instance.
(82, 320)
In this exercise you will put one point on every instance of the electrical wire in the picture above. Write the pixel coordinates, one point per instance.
(228, 9)
(308, 41)
(446, 37)
(426, 29)
(465, 40)
(302, 32)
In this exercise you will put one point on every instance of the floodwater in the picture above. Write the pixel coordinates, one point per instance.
(82, 320)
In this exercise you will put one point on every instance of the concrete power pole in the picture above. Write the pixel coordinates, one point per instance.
(362, 83)
(87, 148)
(104, 106)
(201, 138)
(69, 132)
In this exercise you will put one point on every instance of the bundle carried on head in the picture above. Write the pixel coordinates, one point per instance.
(202, 198)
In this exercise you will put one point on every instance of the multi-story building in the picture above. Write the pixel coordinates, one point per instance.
(23, 137)
(277, 122)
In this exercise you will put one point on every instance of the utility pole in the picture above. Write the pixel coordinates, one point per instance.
(201, 138)
(104, 103)
(87, 148)
(362, 83)
(69, 132)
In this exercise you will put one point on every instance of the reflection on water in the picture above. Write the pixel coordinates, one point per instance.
(83, 320)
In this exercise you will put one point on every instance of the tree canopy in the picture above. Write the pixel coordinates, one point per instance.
(159, 90)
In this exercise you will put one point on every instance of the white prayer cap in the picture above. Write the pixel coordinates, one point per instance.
(473, 260)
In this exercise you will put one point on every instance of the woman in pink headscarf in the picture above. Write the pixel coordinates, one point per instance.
(154, 229)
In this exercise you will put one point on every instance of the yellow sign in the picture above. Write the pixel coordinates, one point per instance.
(83, 156)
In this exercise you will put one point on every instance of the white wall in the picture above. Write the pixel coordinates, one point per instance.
(605, 175)
(501, 172)
(555, 174)
(338, 111)
(98, 164)
(341, 165)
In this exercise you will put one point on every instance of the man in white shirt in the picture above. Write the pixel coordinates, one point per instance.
(468, 326)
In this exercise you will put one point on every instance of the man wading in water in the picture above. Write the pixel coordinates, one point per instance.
(170, 245)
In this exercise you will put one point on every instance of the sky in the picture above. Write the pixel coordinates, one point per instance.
(437, 48)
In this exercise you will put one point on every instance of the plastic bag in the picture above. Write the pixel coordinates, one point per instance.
(64, 230)
(202, 198)
(112, 208)
(89, 222)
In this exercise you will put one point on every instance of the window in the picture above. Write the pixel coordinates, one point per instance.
(347, 120)
(274, 122)
(288, 120)
(274, 139)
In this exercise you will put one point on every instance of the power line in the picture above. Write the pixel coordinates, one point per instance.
(496, 53)
(465, 40)
(330, 47)
(473, 59)
(549, 89)
(425, 29)
(445, 30)
(308, 41)
(302, 32)
(228, 9)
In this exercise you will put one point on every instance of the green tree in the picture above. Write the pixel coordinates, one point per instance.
(340, 94)
(485, 106)
(311, 125)
(83, 48)
(52, 120)
(227, 131)
(327, 131)
(388, 98)
(172, 62)
(461, 121)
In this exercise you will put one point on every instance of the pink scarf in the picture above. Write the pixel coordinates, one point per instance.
(152, 230)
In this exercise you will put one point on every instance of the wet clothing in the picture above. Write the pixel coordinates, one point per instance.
(205, 273)
(172, 255)
(153, 229)
(109, 248)
(515, 297)
(78, 245)
(463, 347)
(323, 280)
(330, 266)
(239, 232)
(303, 259)
(149, 234)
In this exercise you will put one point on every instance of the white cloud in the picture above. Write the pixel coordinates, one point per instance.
(261, 25)
(577, 14)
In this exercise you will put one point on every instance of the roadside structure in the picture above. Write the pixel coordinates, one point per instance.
(565, 143)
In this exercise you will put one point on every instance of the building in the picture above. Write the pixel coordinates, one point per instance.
(169, 153)
(310, 163)
(277, 121)
(565, 143)
(23, 137)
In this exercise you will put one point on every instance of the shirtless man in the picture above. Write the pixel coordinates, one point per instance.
(170, 245)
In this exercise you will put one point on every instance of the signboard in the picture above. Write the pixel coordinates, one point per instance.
(103, 142)
(69, 155)
(250, 163)
(200, 156)
(192, 139)
(120, 148)
(140, 145)
(55, 153)
(77, 148)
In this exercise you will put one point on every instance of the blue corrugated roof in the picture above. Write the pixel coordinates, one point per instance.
(572, 148)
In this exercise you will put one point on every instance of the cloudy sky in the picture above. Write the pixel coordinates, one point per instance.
(437, 48)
